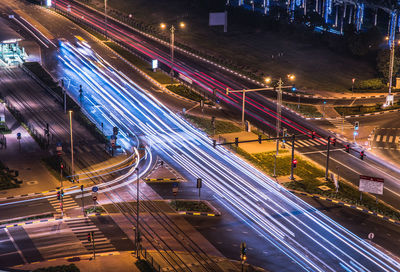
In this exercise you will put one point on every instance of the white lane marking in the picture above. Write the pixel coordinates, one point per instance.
(15, 245)
(378, 138)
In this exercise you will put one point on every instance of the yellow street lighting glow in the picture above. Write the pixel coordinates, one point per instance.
(291, 77)
(182, 24)
(162, 25)
(267, 80)
(387, 38)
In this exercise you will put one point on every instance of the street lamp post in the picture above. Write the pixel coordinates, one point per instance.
(105, 16)
(137, 215)
(72, 144)
(172, 29)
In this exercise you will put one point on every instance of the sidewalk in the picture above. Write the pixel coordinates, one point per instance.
(35, 176)
(121, 262)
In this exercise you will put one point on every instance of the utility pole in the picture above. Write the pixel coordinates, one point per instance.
(278, 113)
(292, 164)
(83, 203)
(172, 50)
(72, 144)
(105, 16)
(327, 158)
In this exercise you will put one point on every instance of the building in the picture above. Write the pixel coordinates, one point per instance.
(10, 51)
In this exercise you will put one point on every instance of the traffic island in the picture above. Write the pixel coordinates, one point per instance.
(193, 207)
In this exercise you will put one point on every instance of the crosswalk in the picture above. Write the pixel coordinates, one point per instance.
(386, 138)
(68, 203)
(81, 227)
(341, 123)
(305, 143)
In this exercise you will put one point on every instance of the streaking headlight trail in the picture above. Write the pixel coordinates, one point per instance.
(311, 240)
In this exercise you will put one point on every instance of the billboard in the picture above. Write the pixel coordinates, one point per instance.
(371, 185)
(219, 18)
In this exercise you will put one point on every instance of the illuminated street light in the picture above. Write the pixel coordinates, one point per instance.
(291, 77)
(267, 80)
(164, 26)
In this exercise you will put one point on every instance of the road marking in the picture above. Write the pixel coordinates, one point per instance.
(15, 245)
(378, 138)
(397, 139)
(390, 139)
(384, 139)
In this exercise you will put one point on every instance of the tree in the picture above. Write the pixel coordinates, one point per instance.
(382, 62)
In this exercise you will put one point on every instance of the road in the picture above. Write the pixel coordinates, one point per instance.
(310, 240)
(260, 110)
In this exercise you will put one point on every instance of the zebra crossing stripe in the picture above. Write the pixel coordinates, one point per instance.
(384, 139)
(397, 139)
(378, 137)
(390, 139)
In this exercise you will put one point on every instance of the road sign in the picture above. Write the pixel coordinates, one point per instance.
(94, 198)
(95, 189)
(175, 190)
(19, 136)
(371, 185)
(371, 236)
(175, 184)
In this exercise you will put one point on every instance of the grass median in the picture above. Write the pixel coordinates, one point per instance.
(205, 124)
(311, 178)
(305, 110)
(190, 206)
(362, 109)
(143, 65)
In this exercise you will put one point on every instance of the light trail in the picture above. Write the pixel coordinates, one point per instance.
(310, 239)
(205, 81)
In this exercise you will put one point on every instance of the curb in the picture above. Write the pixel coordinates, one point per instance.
(199, 213)
(355, 207)
(353, 116)
(33, 222)
(36, 194)
(111, 253)
(161, 179)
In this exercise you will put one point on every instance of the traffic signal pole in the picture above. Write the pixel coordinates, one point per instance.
(327, 158)
(137, 215)
(292, 166)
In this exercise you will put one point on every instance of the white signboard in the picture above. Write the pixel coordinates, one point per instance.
(219, 18)
(185, 78)
(371, 185)
(154, 64)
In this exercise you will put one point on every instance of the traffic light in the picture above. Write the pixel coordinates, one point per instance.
(313, 134)
(237, 141)
(259, 138)
(362, 155)
(348, 148)
(62, 193)
(227, 91)
(294, 88)
(214, 143)
(333, 141)
(89, 237)
(243, 249)
(294, 162)
(115, 130)
(58, 195)
(81, 187)
(356, 125)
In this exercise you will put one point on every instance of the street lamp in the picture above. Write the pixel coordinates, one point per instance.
(105, 17)
(389, 98)
(72, 144)
(172, 29)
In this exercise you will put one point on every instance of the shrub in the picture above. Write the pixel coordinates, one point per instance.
(369, 84)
